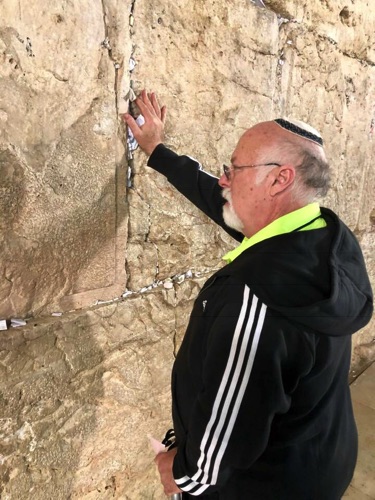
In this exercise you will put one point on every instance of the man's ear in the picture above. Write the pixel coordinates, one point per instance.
(283, 178)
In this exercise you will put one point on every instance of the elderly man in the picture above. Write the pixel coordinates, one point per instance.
(260, 398)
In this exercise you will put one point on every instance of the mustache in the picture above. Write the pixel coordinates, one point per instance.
(226, 194)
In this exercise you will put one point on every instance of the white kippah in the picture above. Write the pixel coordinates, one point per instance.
(300, 128)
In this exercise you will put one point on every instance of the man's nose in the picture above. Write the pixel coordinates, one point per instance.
(224, 182)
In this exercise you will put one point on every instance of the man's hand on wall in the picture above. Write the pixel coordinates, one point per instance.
(151, 133)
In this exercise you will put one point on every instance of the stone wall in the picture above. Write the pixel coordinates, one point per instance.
(82, 223)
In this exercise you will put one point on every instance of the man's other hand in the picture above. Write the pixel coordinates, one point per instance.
(164, 462)
(151, 133)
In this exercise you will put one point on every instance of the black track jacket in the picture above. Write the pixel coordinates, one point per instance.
(261, 403)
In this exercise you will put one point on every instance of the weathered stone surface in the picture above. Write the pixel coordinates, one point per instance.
(167, 230)
(79, 397)
(59, 153)
(80, 393)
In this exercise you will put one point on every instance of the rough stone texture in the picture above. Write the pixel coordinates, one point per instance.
(79, 397)
(60, 155)
(80, 393)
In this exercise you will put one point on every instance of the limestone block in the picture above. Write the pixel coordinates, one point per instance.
(232, 61)
(63, 214)
(32, 35)
(79, 395)
(141, 265)
(350, 26)
(334, 94)
(167, 234)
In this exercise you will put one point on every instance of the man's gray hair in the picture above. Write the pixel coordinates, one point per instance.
(312, 169)
(313, 172)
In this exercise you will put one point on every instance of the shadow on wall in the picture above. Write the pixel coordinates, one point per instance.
(51, 385)
(43, 263)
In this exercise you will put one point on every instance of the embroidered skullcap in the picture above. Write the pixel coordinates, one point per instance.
(300, 128)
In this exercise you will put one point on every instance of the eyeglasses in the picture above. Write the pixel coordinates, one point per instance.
(228, 170)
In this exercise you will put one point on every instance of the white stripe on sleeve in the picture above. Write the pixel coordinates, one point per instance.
(229, 384)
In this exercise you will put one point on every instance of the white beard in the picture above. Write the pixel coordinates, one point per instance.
(230, 217)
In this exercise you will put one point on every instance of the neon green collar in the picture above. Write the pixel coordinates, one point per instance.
(285, 224)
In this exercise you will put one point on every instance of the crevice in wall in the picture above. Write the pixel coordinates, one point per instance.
(106, 44)
(279, 103)
(247, 88)
(372, 126)
(365, 62)
(157, 261)
(130, 97)
(167, 283)
(276, 8)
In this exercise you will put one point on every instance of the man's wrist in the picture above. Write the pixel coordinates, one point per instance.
(152, 148)
(154, 152)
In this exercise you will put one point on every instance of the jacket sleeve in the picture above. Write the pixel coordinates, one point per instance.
(243, 385)
(199, 187)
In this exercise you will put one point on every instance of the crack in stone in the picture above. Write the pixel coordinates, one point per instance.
(168, 283)
(59, 77)
(131, 94)
(365, 62)
(106, 44)
(58, 347)
(278, 76)
(248, 89)
(149, 220)
(157, 261)
(279, 13)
